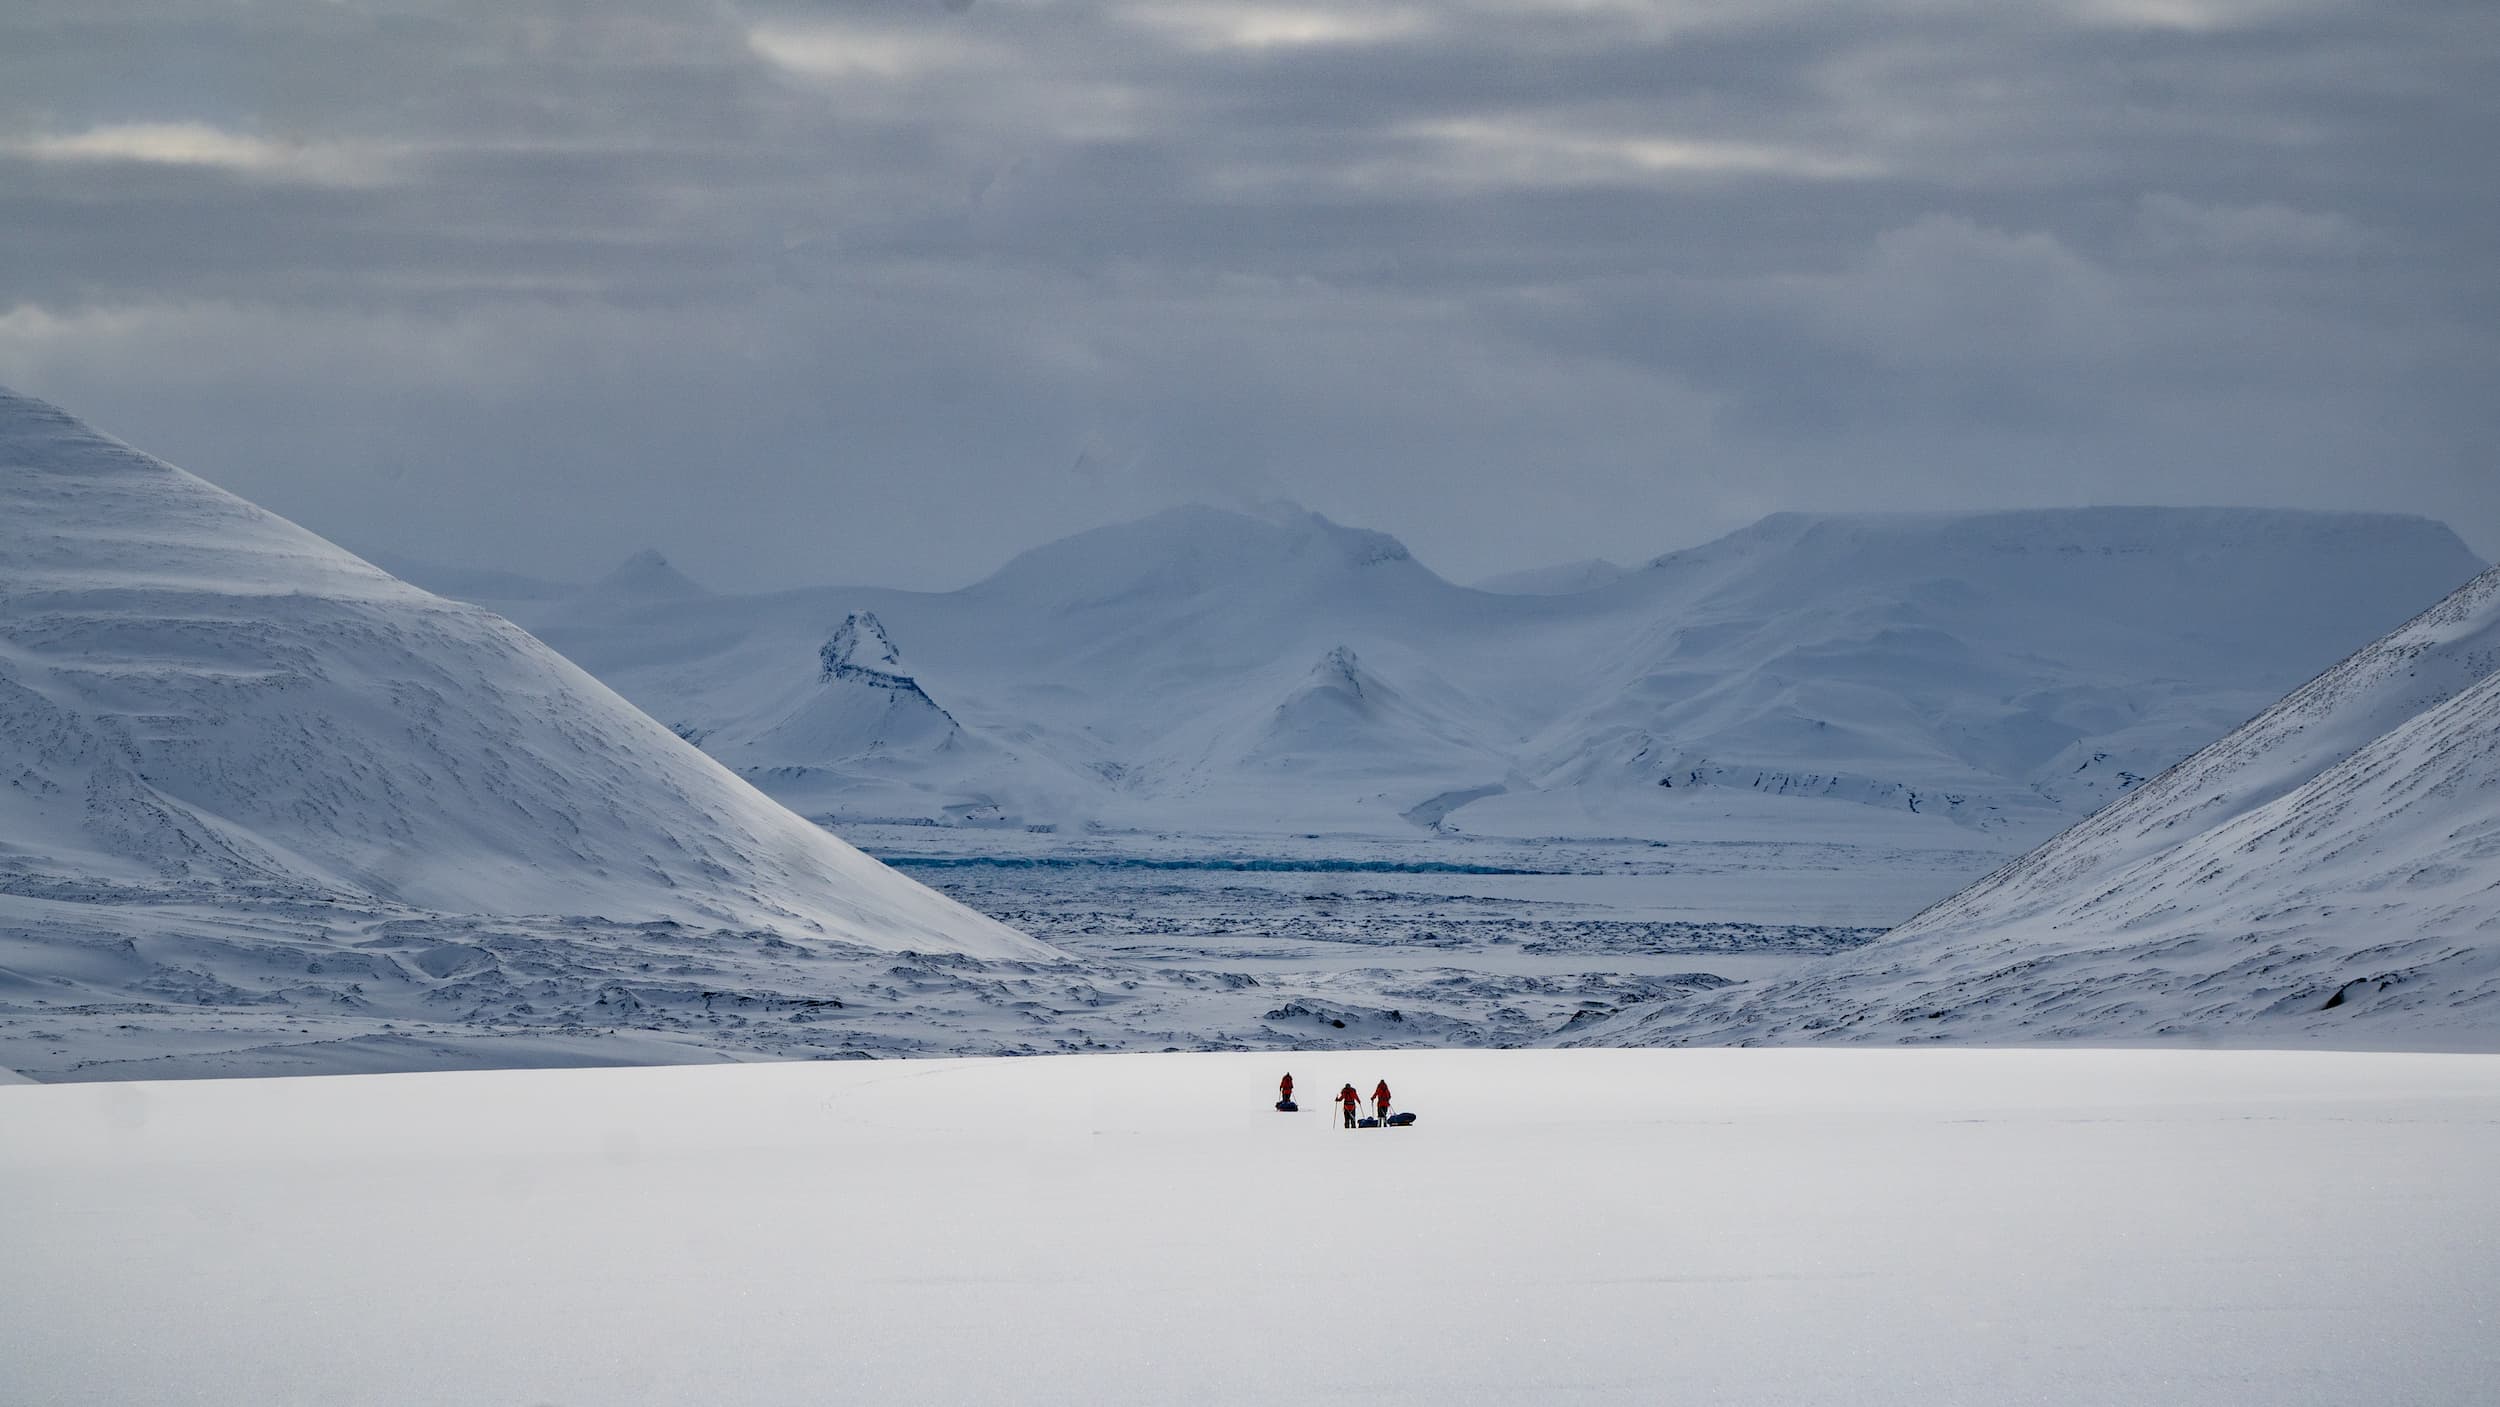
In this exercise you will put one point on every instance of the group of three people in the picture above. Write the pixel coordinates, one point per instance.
(1347, 1099)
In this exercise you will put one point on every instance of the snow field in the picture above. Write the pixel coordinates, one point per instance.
(1721, 1226)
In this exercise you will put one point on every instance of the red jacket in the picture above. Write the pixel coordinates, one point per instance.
(1286, 1086)
(1380, 1094)
(1348, 1097)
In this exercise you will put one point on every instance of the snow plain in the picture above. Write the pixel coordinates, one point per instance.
(1763, 1226)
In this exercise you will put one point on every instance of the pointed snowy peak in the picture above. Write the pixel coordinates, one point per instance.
(861, 705)
(860, 644)
(1338, 672)
(1347, 715)
(860, 653)
(646, 576)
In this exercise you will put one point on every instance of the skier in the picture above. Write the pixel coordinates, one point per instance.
(1284, 1089)
(1380, 1103)
(1352, 1101)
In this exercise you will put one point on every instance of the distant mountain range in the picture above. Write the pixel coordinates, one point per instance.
(264, 806)
(2000, 674)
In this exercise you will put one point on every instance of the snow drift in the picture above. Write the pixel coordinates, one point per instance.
(200, 701)
(2329, 871)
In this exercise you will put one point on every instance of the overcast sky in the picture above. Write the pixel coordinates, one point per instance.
(884, 292)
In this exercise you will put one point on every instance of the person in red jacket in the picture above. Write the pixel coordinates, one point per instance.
(1352, 1101)
(1380, 1103)
(1284, 1089)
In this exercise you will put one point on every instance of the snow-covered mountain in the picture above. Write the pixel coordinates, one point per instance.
(1997, 674)
(645, 576)
(2329, 871)
(857, 735)
(201, 703)
(2010, 670)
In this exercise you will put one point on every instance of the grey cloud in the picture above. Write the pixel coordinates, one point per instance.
(1516, 281)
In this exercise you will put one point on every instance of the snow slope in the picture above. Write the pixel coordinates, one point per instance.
(2008, 669)
(1920, 1228)
(1903, 675)
(201, 703)
(2329, 871)
(1565, 579)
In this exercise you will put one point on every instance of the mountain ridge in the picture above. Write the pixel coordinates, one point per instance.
(199, 693)
(2329, 870)
(2009, 669)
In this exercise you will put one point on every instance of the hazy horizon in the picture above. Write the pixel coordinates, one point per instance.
(1276, 507)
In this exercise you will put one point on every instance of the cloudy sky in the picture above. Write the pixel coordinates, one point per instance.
(885, 291)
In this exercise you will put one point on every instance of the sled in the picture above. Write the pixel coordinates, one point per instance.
(1287, 1106)
(1367, 1122)
(1399, 1121)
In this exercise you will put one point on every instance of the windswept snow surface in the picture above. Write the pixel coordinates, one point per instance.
(226, 745)
(1922, 1228)
(2329, 872)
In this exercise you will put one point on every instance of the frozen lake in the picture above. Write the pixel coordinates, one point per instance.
(1728, 1226)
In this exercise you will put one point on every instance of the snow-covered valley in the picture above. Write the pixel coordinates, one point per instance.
(1740, 1227)
(1171, 948)
(272, 811)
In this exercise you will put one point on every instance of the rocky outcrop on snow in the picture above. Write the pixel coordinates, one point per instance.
(860, 652)
(203, 703)
(2329, 871)
(862, 704)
